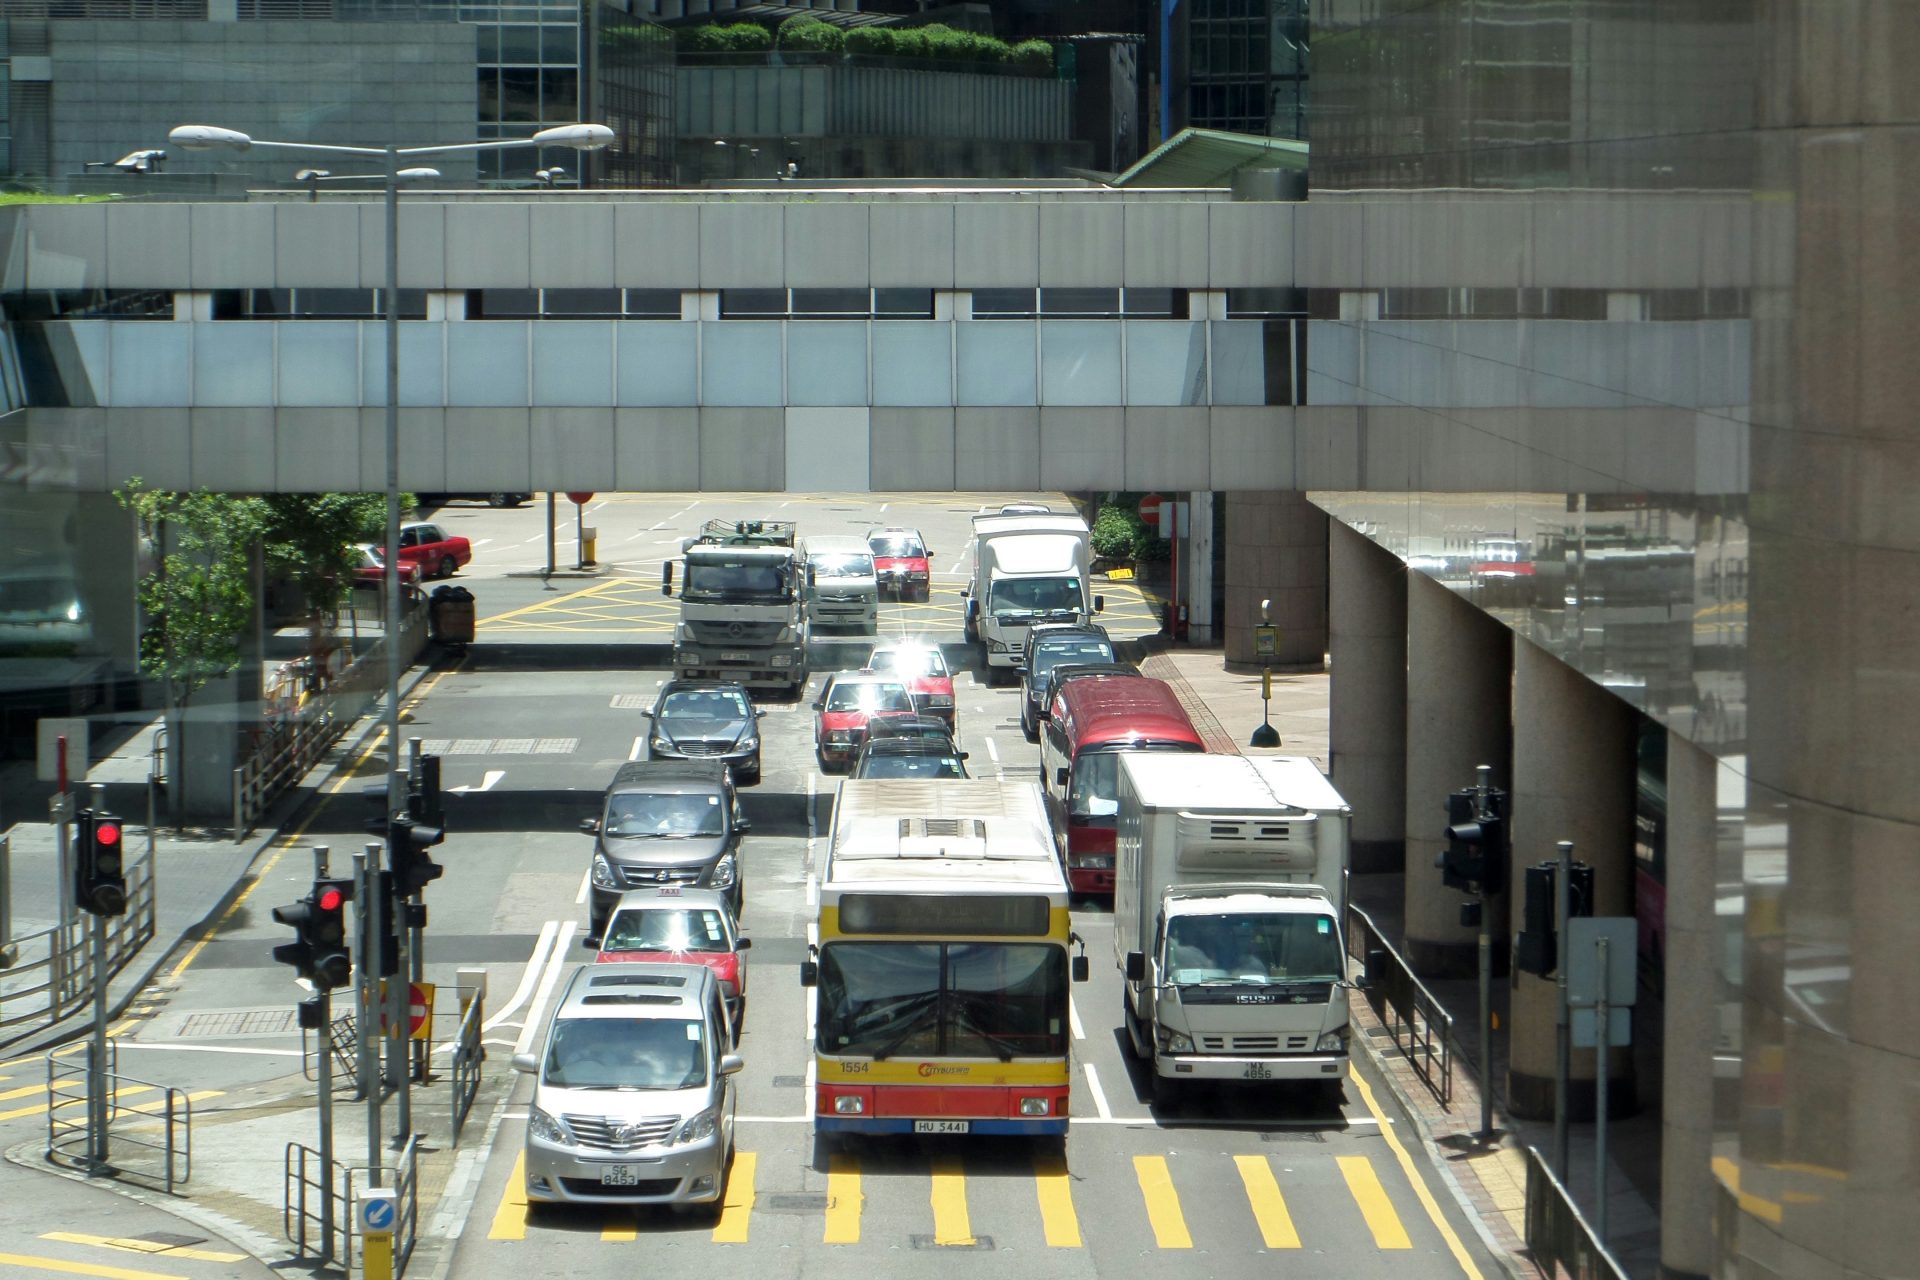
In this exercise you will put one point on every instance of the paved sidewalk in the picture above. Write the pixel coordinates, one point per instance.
(1488, 1178)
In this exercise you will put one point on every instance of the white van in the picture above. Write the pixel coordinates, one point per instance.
(842, 589)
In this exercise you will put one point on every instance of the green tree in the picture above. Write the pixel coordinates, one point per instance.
(309, 540)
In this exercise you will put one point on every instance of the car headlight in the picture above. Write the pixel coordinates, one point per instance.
(839, 735)
(940, 700)
(996, 646)
(1332, 1042)
(724, 872)
(1173, 1041)
(548, 1128)
(1033, 1106)
(603, 877)
(660, 743)
(699, 1128)
(849, 1104)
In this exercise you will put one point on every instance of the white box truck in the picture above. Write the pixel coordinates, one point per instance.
(1026, 569)
(1228, 906)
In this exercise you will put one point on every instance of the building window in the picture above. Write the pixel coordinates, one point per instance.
(758, 303)
(1078, 302)
(503, 304)
(654, 304)
(831, 304)
(587, 303)
(1154, 304)
(1245, 303)
(1004, 304)
(903, 304)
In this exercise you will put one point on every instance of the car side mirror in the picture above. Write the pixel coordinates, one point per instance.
(730, 1063)
(647, 712)
(666, 578)
(743, 824)
(819, 704)
(742, 944)
(759, 713)
(526, 1062)
(589, 943)
(809, 972)
(1081, 970)
(965, 755)
(1060, 776)
(1099, 604)
(590, 826)
(1136, 966)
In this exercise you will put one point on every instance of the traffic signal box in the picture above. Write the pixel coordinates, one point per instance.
(319, 951)
(99, 864)
(1475, 859)
(1537, 948)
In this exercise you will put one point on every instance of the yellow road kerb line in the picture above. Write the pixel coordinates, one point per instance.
(63, 1267)
(1454, 1245)
(541, 605)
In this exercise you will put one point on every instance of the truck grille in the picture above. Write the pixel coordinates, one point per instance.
(644, 877)
(643, 1189)
(1254, 1044)
(606, 1134)
(733, 633)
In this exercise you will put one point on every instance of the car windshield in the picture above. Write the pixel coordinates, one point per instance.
(664, 815)
(706, 704)
(959, 1000)
(1048, 654)
(869, 697)
(909, 662)
(1094, 790)
(627, 1053)
(890, 765)
(1018, 597)
(1256, 949)
(667, 929)
(896, 544)
(842, 566)
(736, 579)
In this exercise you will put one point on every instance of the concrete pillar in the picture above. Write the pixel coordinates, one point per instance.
(1573, 776)
(1367, 712)
(1691, 1014)
(1197, 546)
(1277, 550)
(1458, 664)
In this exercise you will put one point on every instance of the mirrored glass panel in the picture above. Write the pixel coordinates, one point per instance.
(740, 363)
(913, 363)
(233, 363)
(1166, 362)
(320, 363)
(573, 362)
(997, 363)
(658, 362)
(486, 362)
(422, 364)
(1239, 372)
(826, 363)
(1079, 362)
(151, 363)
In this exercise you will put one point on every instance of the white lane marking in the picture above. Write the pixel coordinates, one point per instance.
(1073, 1020)
(536, 1011)
(580, 898)
(884, 506)
(530, 541)
(527, 977)
(480, 542)
(487, 781)
(639, 745)
(210, 1048)
(1099, 1097)
(993, 752)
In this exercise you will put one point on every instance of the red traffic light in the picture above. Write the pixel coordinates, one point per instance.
(106, 831)
(330, 899)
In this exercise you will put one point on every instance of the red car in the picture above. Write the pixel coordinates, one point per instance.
(845, 708)
(438, 553)
(924, 669)
(678, 925)
(900, 563)
(371, 571)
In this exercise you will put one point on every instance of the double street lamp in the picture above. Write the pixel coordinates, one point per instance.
(205, 137)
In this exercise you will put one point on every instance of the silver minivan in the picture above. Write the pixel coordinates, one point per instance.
(842, 588)
(633, 1096)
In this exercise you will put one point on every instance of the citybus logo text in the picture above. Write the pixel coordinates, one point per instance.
(934, 1069)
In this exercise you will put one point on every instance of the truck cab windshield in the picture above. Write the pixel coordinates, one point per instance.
(1256, 949)
(737, 580)
(1030, 598)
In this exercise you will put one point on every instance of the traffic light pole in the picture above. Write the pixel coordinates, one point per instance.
(98, 1091)
(1562, 1028)
(323, 1074)
(1483, 809)
(367, 893)
(399, 1019)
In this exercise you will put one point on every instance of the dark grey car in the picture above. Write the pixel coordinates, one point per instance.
(1048, 647)
(666, 822)
(707, 720)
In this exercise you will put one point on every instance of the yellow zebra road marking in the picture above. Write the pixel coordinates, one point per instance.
(951, 1226)
(510, 1219)
(1269, 1207)
(1055, 1188)
(843, 1200)
(616, 1233)
(1412, 1171)
(1163, 1203)
(142, 1246)
(71, 1098)
(1367, 1192)
(737, 1209)
(63, 1267)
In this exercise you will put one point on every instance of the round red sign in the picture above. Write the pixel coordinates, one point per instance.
(579, 499)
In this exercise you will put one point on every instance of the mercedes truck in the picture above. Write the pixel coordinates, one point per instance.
(742, 605)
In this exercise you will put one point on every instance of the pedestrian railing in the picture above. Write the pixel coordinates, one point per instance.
(468, 1055)
(319, 1206)
(1562, 1242)
(342, 1041)
(1421, 1029)
(151, 1138)
(52, 973)
(404, 1177)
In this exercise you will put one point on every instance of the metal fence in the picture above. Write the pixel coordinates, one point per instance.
(158, 1131)
(468, 1055)
(313, 1224)
(51, 974)
(1562, 1242)
(1421, 1029)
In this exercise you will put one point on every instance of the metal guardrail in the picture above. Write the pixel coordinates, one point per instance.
(1421, 1029)
(304, 1220)
(129, 1125)
(468, 1055)
(1562, 1242)
(344, 1045)
(50, 977)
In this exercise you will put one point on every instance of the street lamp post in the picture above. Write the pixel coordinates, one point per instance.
(202, 137)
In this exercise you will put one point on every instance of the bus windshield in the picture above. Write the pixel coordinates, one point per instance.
(943, 1000)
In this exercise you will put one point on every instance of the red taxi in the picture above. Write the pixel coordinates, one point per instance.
(679, 925)
(924, 670)
(900, 563)
(848, 706)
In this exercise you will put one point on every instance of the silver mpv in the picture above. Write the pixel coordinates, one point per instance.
(633, 1098)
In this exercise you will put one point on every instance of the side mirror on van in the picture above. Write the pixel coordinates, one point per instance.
(1060, 776)
(809, 972)
(526, 1062)
(1081, 970)
(589, 826)
(666, 578)
(1099, 604)
(1136, 966)
(731, 1063)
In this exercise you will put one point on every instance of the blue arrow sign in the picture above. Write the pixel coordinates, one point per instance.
(377, 1215)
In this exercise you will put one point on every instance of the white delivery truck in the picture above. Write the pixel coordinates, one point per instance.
(1026, 569)
(1227, 912)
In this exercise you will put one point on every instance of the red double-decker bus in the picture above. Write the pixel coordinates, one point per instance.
(1093, 719)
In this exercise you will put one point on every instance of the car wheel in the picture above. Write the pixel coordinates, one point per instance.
(925, 593)
(500, 500)
(1164, 1094)
(1028, 727)
(447, 567)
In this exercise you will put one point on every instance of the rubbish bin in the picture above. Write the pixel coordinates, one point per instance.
(450, 615)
